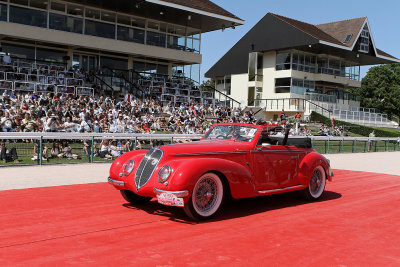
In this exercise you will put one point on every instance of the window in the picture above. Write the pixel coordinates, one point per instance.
(156, 39)
(20, 2)
(283, 61)
(65, 23)
(364, 40)
(108, 16)
(50, 55)
(57, 6)
(179, 30)
(114, 63)
(138, 22)
(41, 4)
(92, 13)
(130, 34)
(126, 20)
(3, 12)
(153, 25)
(176, 42)
(255, 66)
(19, 50)
(28, 16)
(162, 69)
(282, 85)
(348, 38)
(75, 10)
(100, 29)
(193, 45)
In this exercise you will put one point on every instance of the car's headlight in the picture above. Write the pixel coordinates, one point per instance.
(128, 167)
(164, 173)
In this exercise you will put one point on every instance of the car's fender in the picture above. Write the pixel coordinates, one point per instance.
(187, 172)
(308, 164)
(118, 164)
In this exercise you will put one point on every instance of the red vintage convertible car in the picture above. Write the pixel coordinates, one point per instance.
(240, 160)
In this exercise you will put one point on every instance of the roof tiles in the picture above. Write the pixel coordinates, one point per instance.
(204, 5)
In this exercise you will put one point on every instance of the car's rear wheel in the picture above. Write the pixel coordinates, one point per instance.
(206, 198)
(317, 184)
(133, 198)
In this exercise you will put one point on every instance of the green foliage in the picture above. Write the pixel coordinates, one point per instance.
(380, 89)
(354, 128)
(206, 84)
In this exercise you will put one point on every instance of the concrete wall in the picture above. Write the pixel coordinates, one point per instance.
(239, 89)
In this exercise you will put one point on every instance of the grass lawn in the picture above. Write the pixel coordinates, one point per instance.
(25, 150)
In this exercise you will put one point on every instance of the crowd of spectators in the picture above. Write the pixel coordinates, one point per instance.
(48, 112)
(324, 130)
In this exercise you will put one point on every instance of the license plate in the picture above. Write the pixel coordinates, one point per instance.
(170, 200)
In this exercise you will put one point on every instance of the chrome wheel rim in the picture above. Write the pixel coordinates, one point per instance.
(207, 195)
(317, 182)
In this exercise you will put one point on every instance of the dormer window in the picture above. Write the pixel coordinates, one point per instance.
(348, 38)
(364, 40)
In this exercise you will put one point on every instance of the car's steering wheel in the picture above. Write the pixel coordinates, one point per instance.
(220, 136)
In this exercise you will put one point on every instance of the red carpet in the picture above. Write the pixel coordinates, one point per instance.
(357, 223)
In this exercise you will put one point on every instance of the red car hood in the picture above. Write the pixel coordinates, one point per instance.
(204, 147)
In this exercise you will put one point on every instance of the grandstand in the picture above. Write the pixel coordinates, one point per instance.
(114, 45)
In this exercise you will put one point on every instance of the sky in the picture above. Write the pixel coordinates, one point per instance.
(383, 17)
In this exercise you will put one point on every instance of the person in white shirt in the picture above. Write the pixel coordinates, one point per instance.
(115, 150)
(51, 123)
(84, 127)
(7, 59)
(104, 150)
(69, 126)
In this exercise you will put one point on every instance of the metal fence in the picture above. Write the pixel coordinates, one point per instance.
(36, 148)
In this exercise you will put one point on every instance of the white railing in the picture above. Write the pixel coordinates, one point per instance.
(364, 118)
(101, 136)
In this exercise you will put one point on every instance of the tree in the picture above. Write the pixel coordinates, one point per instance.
(380, 89)
(207, 83)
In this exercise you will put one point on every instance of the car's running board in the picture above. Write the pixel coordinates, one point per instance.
(281, 190)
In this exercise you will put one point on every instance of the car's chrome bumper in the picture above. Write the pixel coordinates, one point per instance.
(171, 198)
(183, 193)
(116, 182)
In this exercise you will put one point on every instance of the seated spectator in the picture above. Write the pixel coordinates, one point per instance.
(84, 126)
(96, 127)
(8, 155)
(67, 151)
(6, 123)
(116, 149)
(68, 125)
(105, 150)
(28, 124)
(56, 150)
(36, 153)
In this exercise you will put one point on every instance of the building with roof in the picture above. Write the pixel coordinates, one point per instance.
(282, 63)
(147, 36)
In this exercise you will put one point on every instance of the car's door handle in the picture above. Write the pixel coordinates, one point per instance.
(294, 157)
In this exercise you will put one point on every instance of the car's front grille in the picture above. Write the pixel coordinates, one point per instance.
(147, 167)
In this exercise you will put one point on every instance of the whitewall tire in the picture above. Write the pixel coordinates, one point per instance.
(317, 184)
(207, 197)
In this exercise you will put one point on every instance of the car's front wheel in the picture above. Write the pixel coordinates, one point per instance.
(317, 184)
(206, 198)
(133, 198)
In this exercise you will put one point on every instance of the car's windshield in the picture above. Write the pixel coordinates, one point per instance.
(232, 132)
